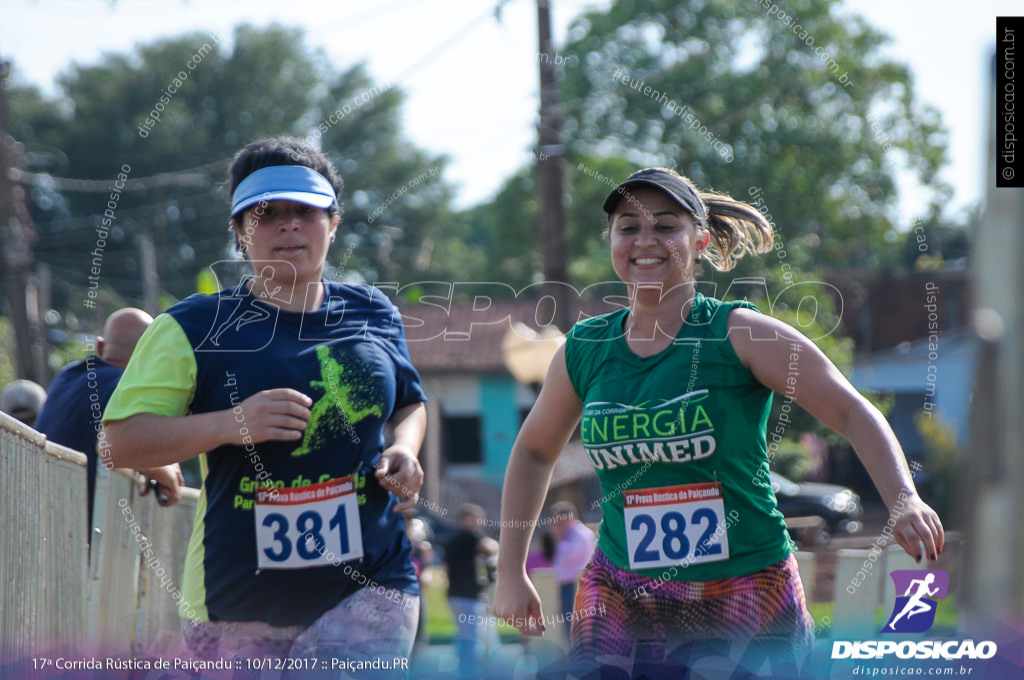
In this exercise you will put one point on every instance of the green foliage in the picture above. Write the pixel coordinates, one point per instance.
(790, 460)
(757, 93)
(508, 226)
(492, 247)
(808, 306)
(753, 84)
(935, 241)
(269, 82)
(71, 350)
(8, 369)
(940, 466)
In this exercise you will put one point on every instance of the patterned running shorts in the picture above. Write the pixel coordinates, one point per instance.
(671, 623)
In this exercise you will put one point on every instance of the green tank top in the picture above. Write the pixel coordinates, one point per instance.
(678, 440)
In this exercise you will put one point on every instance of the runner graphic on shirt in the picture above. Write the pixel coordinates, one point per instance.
(344, 397)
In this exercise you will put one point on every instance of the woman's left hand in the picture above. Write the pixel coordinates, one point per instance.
(400, 472)
(916, 527)
(169, 481)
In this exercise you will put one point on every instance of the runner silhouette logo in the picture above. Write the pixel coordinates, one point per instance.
(914, 611)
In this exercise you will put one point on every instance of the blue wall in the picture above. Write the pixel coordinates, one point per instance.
(499, 417)
(948, 372)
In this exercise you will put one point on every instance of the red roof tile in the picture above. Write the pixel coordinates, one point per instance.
(463, 339)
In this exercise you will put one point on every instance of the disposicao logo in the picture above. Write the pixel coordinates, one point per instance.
(914, 611)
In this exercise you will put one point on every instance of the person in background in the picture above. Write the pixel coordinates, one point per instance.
(422, 558)
(23, 399)
(462, 554)
(542, 556)
(78, 395)
(576, 543)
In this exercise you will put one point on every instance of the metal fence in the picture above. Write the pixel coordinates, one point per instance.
(120, 598)
(115, 600)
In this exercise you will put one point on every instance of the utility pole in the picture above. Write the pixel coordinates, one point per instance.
(551, 174)
(150, 278)
(17, 247)
(44, 301)
(991, 503)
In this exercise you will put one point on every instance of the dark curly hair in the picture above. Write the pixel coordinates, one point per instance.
(282, 150)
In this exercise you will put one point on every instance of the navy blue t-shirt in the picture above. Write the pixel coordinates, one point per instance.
(350, 357)
(73, 413)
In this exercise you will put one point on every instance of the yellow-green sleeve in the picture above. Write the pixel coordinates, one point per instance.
(160, 377)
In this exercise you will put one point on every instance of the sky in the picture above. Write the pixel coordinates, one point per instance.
(472, 80)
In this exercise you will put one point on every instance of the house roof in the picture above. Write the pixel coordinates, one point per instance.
(573, 464)
(879, 312)
(957, 341)
(884, 310)
(460, 338)
(467, 339)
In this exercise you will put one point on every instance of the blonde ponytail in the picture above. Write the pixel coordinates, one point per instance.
(736, 228)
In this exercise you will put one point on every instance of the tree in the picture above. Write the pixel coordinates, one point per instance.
(508, 225)
(184, 106)
(936, 241)
(800, 99)
(8, 371)
(794, 106)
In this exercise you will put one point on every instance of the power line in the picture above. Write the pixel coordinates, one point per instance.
(198, 176)
(192, 177)
(453, 39)
(361, 16)
(70, 223)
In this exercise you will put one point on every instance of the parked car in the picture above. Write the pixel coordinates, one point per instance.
(838, 506)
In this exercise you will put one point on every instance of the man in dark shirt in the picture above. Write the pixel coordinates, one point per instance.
(73, 413)
(465, 585)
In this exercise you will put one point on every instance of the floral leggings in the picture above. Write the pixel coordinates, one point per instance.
(366, 625)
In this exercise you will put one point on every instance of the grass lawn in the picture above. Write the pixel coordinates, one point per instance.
(441, 624)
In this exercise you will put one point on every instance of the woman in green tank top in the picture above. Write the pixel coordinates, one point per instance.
(673, 396)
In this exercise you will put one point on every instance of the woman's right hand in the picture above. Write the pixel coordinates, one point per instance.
(517, 603)
(279, 414)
